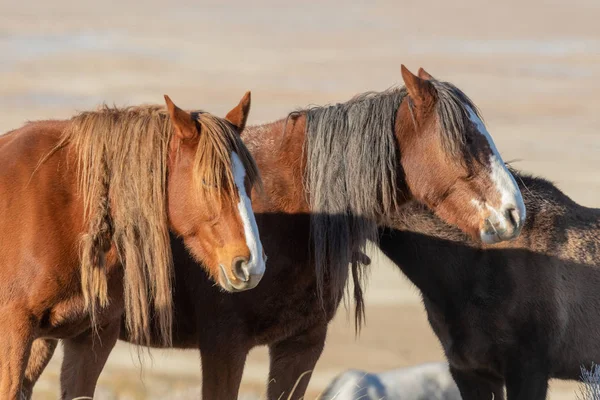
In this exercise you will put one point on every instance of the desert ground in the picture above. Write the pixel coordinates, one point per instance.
(532, 66)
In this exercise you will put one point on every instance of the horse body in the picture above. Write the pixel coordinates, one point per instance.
(284, 312)
(516, 313)
(41, 295)
(331, 175)
(39, 266)
(82, 213)
(290, 310)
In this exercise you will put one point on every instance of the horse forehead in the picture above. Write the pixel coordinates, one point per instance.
(239, 171)
(479, 128)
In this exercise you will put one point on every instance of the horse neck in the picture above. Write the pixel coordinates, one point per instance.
(440, 268)
(278, 149)
(556, 225)
(444, 264)
(435, 256)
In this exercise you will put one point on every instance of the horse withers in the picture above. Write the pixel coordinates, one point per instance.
(332, 175)
(514, 314)
(87, 206)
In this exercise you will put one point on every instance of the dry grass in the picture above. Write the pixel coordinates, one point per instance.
(590, 386)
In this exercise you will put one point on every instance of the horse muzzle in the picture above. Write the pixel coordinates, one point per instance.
(245, 275)
(503, 225)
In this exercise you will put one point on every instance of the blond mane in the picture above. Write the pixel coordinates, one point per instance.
(122, 156)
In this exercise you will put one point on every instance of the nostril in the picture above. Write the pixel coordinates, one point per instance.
(512, 214)
(239, 264)
(488, 226)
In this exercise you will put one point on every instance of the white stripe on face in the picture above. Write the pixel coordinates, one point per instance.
(504, 181)
(256, 264)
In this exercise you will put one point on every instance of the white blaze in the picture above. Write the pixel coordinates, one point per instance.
(504, 181)
(256, 264)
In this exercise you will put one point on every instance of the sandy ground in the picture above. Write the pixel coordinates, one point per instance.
(532, 66)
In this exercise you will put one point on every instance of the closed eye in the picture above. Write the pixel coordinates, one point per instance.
(469, 177)
(207, 184)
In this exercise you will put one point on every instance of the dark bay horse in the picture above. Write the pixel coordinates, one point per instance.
(331, 176)
(513, 314)
(87, 206)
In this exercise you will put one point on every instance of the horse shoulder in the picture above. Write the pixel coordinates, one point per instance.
(36, 213)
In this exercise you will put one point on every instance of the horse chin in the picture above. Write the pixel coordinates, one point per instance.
(236, 286)
(493, 235)
(490, 237)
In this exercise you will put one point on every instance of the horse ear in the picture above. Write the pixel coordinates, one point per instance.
(418, 89)
(425, 75)
(239, 114)
(182, 121)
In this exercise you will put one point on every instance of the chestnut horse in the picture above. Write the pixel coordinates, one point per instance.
(86, 207)
(331, 176)
(513, 314)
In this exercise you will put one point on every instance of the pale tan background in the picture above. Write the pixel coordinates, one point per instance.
(532, 66)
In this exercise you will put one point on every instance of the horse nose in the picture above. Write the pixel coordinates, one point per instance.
(504, 224)
(240, 268)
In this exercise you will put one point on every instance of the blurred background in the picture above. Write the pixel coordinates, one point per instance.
(532, 66)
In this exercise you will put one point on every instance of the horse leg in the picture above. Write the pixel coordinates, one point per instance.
(292, 363)
(526, 379)
(17, 336)
(473, 386)
(41, 354)
(84, 359)
(222, 369)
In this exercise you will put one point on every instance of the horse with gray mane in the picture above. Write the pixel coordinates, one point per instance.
(332, 175)
(430, 381)
(513, 314)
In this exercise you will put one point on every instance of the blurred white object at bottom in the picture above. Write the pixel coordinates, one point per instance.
(431, 381)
